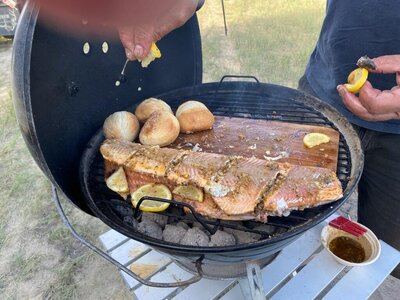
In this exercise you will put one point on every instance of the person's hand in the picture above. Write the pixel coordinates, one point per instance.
(372, 104)
(137, 38)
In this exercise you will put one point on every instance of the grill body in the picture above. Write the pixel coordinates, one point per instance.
(62, 95)
(235, 99)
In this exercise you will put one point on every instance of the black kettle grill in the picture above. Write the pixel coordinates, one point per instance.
(65, 86)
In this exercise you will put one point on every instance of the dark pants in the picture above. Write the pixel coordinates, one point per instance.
(379, 186)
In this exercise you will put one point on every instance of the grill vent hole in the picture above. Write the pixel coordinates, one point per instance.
(104, 47)
(86, 48)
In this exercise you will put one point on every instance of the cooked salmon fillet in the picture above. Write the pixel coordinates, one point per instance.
(197, 168)
(150, 160)
(210, 209)
(300, 188)
(150, 165)
(235, 188)
(116, 153)
(246, 179)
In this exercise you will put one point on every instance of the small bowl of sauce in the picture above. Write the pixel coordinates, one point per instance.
(348, 249)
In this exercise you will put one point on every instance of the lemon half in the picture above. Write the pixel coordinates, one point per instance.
(189, 192)
(314, 139)
(356, 80)
(117, 182)
(153, 54)
(151, 190)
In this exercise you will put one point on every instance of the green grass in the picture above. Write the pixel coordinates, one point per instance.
(23, 266)
(59, 234)
(64, 287)
(4, 39)
(3, 236)
(270, 39)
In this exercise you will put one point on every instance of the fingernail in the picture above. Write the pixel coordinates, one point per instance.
(138, 51)
(128, 53)
(341, 90)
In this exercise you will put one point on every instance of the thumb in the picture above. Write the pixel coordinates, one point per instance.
(341, 90)
(143, 39)
(126, 37)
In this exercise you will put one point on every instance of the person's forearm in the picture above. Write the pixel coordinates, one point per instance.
(139, 22)
(112, 12)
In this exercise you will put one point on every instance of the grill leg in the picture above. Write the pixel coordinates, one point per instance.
(107, 257)
(255, 281)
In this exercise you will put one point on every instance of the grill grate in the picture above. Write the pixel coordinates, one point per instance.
(234, 99)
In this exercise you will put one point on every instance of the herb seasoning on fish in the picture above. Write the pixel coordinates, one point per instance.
(348, 249)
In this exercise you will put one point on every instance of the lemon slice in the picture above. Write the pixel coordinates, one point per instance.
(117, 182)
(189, 192)
(153, 54)
(314, 139)
(356, 80)
(152, 190)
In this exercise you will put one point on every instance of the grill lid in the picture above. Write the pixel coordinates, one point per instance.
(234, 99)
(64, 87)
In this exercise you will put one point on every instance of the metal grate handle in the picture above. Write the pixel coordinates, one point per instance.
(180, 204)
(239, 76)
(223, 79)
(116, 263)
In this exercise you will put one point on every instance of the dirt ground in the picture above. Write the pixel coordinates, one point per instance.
(39, 259)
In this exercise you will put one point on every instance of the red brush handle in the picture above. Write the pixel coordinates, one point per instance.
(347, 226)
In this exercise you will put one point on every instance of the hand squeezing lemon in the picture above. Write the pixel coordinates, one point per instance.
(153, 54)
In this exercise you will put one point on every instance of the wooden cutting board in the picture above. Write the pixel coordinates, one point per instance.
(271, 140)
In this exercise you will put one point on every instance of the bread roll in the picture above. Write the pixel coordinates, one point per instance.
(162, 128)
(121, 125)
(194, 116)
(148, 106)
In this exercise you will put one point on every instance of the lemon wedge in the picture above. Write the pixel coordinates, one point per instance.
(151, 190)
(189, 192)
(153, 54)
(314, 139)
(117, 182)
(356, 80)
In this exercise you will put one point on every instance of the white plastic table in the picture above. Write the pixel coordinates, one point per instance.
(303, 270)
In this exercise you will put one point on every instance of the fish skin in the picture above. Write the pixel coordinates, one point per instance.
(271, 189)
